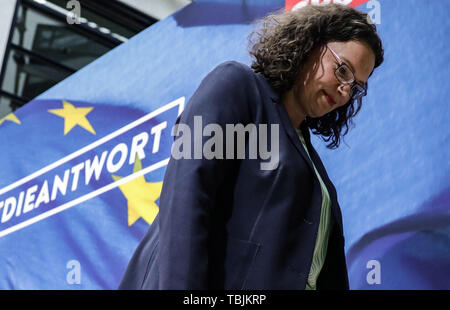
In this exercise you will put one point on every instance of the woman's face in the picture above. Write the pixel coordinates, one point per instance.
(318, 91)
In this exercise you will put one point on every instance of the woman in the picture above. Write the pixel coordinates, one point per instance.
(232, 224)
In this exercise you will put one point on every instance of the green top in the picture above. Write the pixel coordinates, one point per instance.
(320, 250)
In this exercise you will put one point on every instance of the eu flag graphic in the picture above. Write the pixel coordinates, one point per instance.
(93, 192)
(82, 164)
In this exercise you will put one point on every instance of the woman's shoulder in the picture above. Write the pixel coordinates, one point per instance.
(235, 66)
(237, 76)
(233, 72)
(233, 78)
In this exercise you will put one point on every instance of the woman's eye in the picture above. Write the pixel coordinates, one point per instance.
(343, 71)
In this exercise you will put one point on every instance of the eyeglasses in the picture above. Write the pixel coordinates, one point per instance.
(345, 75)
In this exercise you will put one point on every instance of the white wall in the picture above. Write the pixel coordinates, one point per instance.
(158, 9)
(6, 15)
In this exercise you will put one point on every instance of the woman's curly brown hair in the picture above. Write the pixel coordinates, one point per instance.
(285, 40)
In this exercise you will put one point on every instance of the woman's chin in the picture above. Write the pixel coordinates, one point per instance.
(317, 114)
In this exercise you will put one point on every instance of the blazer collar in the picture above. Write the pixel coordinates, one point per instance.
(293, 136)
(287, 124)
(268, 88)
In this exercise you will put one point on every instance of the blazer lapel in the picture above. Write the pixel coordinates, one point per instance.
(292, 134)
(286, 121)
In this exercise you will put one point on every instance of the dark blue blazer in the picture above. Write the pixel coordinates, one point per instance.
(227, 224)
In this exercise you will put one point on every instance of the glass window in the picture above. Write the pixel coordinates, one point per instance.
(8, 105)
(44, 49)
(27, 76)
(55, 40)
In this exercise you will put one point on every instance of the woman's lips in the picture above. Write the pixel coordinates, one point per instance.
(329, 99)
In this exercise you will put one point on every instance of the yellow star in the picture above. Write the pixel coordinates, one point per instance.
(141, 196)
(73, 116)
(10, 117)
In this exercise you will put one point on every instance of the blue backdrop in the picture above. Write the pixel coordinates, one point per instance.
(76, 160)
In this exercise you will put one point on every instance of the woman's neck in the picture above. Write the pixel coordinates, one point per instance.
(293, 108)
